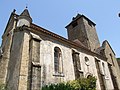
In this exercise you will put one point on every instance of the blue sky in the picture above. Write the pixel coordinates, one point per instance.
(54, 15)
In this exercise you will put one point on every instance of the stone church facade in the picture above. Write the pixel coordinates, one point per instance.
(31, 56)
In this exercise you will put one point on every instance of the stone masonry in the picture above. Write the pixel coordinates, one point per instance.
(32, 56)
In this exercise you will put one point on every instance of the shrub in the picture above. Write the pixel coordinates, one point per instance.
(79, 84)
(2, 87)
(60, 86)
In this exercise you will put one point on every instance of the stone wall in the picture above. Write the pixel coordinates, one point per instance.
(24, 64)
(47, 62)
(78, 32)
(118, 60)
(89, 68)
(5, 58)
(93, 40)
(6, 48)
(111, 59)
(85, 32)
(28, 58)
(15, 61)
(48, 75)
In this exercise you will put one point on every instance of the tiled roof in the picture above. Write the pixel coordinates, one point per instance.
(75, 43)
(56, 36)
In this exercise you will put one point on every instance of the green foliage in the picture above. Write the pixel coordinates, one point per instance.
(60, 86)
(79, 84)
(84, 83)
(2, 87)
(118, 58)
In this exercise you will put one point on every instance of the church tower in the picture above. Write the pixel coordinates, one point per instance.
(83, 29)
(24, 18)
(15, 57)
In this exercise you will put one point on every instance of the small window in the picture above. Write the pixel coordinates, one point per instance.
(35, 77)
(90, 23)
(57, 60)
(112, 59)
(103, 65)
(74, 24)
(87, 61)
(89, 76)
(77, 65)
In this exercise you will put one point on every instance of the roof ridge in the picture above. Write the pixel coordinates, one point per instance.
(25, 13)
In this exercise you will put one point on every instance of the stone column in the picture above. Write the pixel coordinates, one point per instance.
(23, 76)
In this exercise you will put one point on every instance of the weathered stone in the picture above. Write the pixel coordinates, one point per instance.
(28, 60)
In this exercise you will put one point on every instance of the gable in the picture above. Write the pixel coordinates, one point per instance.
(10, 23)
(107, 46)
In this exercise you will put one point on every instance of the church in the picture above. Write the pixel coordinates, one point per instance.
(32, 56)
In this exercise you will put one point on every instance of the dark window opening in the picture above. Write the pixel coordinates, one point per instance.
(113, 77)
(89, 76)
(87, 61)
(100, 76)
(57, 60)
(74, 24)
(77, 65)
(34, 73)
(112, 59)
(35, 39)
(103, 65)
(90, 23)
(35, 77)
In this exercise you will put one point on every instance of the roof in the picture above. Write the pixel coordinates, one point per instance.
(78, 17)
(79, 43)
(75, 43)
(56, 36)
(103, 44)
(25, 13)
(12, 15)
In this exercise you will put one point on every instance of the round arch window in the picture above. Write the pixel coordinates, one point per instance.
(57, 60)
(89, 76)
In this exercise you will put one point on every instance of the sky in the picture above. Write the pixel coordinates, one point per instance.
(54, 15)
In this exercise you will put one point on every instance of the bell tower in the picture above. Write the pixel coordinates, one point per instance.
(83, 29)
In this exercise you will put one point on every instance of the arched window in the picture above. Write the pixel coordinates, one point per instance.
(87, 61)
(103, 65)
(89, 76)
(57, 60)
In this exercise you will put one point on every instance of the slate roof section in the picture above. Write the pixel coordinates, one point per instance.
(25, 13)
(104, 44)
(79, 43)
(34, 26)
(75, 43)
(79, 16)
